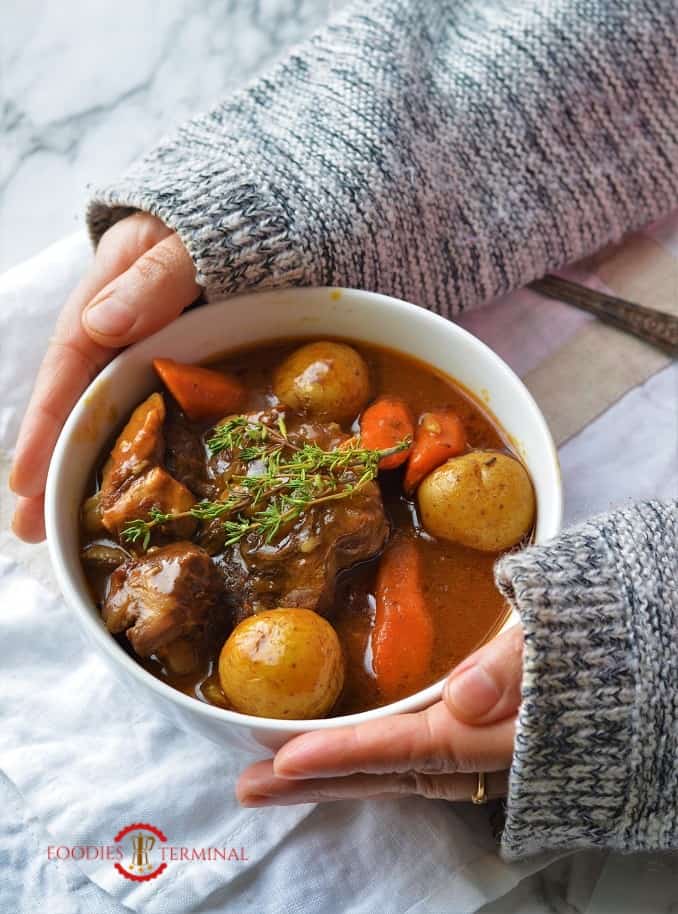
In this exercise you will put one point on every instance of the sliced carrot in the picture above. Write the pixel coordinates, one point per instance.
(384, 424)
(201, 392)
(402, 636)
(439, 436)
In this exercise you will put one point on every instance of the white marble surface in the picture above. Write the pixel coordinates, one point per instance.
(87, 87)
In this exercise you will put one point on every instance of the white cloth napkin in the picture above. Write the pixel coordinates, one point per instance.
(90, 759)
(83, 757)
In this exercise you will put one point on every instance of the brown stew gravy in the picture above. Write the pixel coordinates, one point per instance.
(465, 606)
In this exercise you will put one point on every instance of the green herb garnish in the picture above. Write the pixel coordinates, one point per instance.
(292, 479)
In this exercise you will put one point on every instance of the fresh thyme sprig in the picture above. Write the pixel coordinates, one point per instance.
(293, 479)
(249, 437)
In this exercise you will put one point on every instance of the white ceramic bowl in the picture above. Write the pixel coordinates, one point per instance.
(255, 318)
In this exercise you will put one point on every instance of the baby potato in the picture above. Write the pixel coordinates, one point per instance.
(483, 499)
(324, 379)
(282, 663)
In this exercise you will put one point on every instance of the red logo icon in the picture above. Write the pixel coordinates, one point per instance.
(144, 839)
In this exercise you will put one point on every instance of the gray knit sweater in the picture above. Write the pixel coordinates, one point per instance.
(446, 152)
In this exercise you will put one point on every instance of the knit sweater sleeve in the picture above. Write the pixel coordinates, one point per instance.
(441, 152)
(596, 753)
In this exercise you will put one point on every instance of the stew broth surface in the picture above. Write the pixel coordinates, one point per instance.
(465, 606)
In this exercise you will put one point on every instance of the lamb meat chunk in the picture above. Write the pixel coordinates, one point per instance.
(139, 446)
(186, 456)
(154, 489)
(301, 569)
(223, 465)
(167, 594)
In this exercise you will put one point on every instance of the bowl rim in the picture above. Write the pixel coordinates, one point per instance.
(91, 621)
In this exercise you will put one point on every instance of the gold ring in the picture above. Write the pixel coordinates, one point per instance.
(480, 795)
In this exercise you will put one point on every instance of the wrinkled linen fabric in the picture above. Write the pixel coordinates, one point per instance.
(89, 758)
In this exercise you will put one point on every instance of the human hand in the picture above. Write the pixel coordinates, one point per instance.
(142, 278)
(432, 753)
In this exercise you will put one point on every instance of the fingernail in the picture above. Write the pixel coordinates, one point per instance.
(473, 692)
(110, 317)
(254, 799)
(294, 762)
(290, 766)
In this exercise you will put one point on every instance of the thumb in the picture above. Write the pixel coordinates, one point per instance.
(150, 294)
(485, 688)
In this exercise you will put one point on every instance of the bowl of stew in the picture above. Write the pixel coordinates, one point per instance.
(281, 512)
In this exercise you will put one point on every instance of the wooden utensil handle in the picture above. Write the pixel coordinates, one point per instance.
(657, 327)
